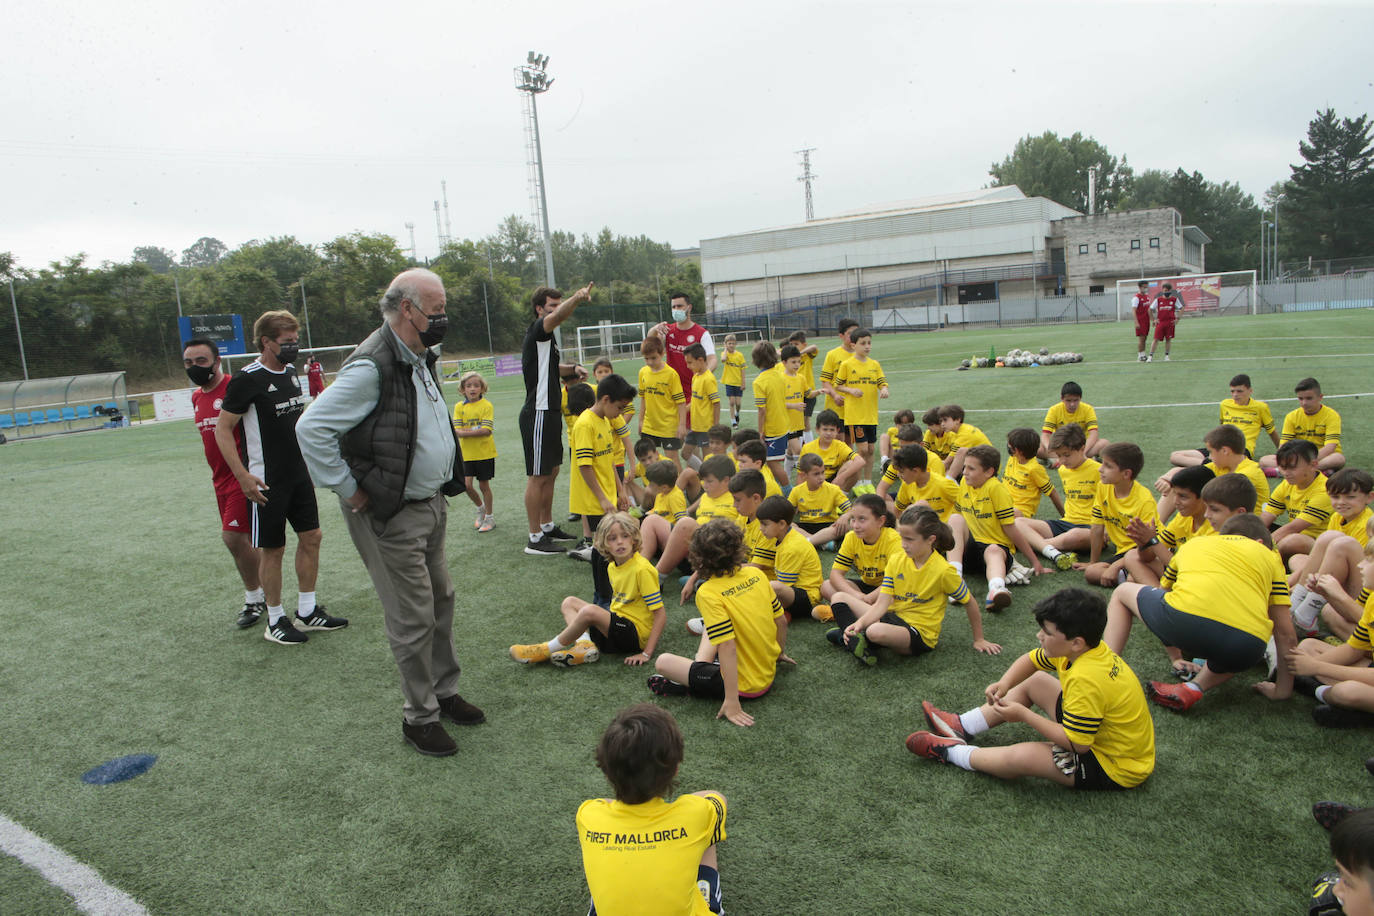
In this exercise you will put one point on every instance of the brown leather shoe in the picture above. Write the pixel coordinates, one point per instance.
(460, 711)
(429, 739)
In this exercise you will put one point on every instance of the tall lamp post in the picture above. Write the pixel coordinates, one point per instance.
(532, 79)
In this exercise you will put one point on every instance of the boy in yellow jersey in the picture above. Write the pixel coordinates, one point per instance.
(891, 481)
(1155, 545)
(1336, 555)
(770, 404)
(842, 465)
(1101, 735)
(1061, 539)
(794, 387)
(473, 422)
(887, 442)
(1226, 497)
(796, 576)
(1242, 411)
(1025, 477)
(1315, 423)
(985, 526)
(1302, 496)
(595, 490)
(633, 623)
(822, 509)
(1071, 408)
(963, 437)
(663, 414)
(747, 493)
(1221, 599)
(751, 455)
(745, 630)
(920, 486)
(705, 410)
(1226, 446)
(670, 504)
(717, 443)
(907, 612)
(1120, 498)
(808, 376)
(860, 379)
(935, 438)
(600, 369)
(834, 400)
(646, 453)
(715, 502)
(642, 853)
(732, 376)
(1340, 676)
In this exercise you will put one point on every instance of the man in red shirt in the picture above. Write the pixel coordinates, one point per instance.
(315, 376)
(1140, 303)
(681, 333)
(201, 358)
(1167, 309)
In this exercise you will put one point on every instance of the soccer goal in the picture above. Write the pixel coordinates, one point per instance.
(745, 338)
(617, 341)
(1233, 292)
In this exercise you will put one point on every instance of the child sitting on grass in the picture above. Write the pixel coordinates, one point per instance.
(1340, 676)
(640, 852)
(716, 502)
(963, 436)
(842, 465)
(1120, 499)
(984, 526)
(752, 456)
(866, 549)
(1155, 546)
(1025, 477)
(920, 485)
(1226, 445)
(1070, 408)
(1101, 735)
(887, 442)
(936, 439)
(1302, 496)
(634, 622)
(745, 628)
(822, 509)
(908, 611)
(1060, 540)
(1336, 553)
(796, 566)
(891, 481)
(1242, 411)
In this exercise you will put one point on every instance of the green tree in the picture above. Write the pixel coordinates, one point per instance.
(1223, 211)
(159, 260)
(284, 258)
(1329, 206)
(203, 252)
(1057, 167)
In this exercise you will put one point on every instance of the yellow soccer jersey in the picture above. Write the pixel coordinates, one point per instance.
(1180, 531)
(569, 421)
(834, 457)
(1027, 481)
(639, 473)
(671, 505)
(771, 487)
(732, 368)
(832, 363)
(635, 593)
(724, 507)
(808, 372)
(1058, 415)
(643, 858)
(593, 438)
(941, 493)
(820, 506)
(933, 464)
(867, 377)
(918, 593)
(942, 444)
(1360, 638)
(798, 565)
(987, 509)
(662, 395)
(1311, 504)
(763, 551)
(705, 395)
(1080, 490)
(770, 396)
(476, 414)
(1249, 419)
(1357, 527)
(742, 607)
(627, 416)
(794, 387)
(1104, 708)
(1321, 428)
(1230, 579)
(1252, 472)
(1115, 513)
(868, 560)
(968, 435)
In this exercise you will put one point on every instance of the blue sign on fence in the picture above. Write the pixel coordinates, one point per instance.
(225, 330)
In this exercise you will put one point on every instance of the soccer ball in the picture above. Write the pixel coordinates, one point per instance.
(1323, 901)
(1044, 351)
(964, 364)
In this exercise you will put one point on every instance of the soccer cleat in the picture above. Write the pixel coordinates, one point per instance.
(696, 626)
(1064, 562)
(582, 552)
(544, 547)
(822, 613)
(533, 653)
(943, 723)
(931, 746)
(1328, 813)
(488, 523)
(998, 599)
(558, 534)
(1178, 697)
(584, 653)
(836, 636)
(250, 614)
(319, 620)
(636, 512)
(861, 650)
(663, 687)
(283, 632)
(574, 517)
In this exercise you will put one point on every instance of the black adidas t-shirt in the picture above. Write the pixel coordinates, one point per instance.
(271, 403)
(539, 360)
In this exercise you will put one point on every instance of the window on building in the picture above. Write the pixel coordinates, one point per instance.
(977, 292)
(1135, 244)
(1094, 290)
(1082, 249)
(1101, 247)
(1154, 242)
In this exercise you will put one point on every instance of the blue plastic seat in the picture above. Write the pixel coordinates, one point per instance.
(37, 417)
(21, 419)
(83, 411)
(54, 415)
(6, 421)
(69, 413)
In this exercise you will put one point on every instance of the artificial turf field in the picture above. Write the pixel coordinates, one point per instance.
(282, 783)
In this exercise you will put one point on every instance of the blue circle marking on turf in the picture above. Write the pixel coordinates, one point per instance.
(119, 769)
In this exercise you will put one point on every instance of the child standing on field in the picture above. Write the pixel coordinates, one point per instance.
(861, 381)
(732, 376)
(705, 409)
(473, 421)
(663, 419)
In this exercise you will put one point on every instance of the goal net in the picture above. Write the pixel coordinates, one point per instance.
(607, 339)
(1226, 293)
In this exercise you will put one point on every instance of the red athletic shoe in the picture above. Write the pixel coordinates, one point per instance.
(932, 747)
(943, 723)
(1180, 697)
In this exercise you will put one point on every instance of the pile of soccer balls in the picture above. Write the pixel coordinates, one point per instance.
(1021, 359)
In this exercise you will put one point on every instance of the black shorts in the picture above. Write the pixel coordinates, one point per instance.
(863, 432)
(1086, 769)
(697, 440)
(292, 502)
(973, 556)
(918, 645)
(704, 682)
(620, 638)
(810, 404)
(1058, 526)
(813, 527)
(666, 443)
(801, 603)
(481, 469)
(541, 433)
(796, 434)
(1227, 649)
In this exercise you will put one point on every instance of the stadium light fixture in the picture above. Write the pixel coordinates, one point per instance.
(532, 79)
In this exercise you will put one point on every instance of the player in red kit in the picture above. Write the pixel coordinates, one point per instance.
(314, 374)
(201, 358)
(1167, 309)
(1140, 303)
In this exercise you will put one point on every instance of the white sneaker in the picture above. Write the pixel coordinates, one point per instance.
(1149, 358)
(1271, 658)
(1166, 357)
(1142, 357)
(582, 552)
(478, 522)
(696, 626)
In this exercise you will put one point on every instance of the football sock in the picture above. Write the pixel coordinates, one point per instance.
(1305, 614)
(534, 538)
(1321, 693)
(961, 755)
(1191, 686)
(556, 646)
(997, 584)
(1049, 551)
(546, 527)
(253, 597)
(958, 566)
(974, 722)
(275, 613)
(305, 605)
(1298, 594)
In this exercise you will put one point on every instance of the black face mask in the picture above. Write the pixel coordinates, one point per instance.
(287, 353)
(200, 375)
(434, 334)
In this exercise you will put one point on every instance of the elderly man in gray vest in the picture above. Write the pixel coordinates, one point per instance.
(380, 438)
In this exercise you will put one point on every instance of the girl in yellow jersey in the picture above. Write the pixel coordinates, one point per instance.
(473, 421)
(870, 543)
(732, 376)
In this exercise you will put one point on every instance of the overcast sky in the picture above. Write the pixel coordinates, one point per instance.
(154, 123)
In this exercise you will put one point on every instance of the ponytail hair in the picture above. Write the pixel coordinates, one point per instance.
(876, 505)
(927, 523)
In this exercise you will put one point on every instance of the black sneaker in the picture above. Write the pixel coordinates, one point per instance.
(429, 739)
(1329, 813)
(543, 547)
(283, 632)
(1339, 717)
(836, 637)
(250, 614)
(558, 534)
(461, 711)
(574, 517)
(319, 620)
(666, 688)
(859, 646)
(583, 551)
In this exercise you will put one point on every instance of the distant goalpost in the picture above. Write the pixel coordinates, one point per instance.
(622, 340)
(1231, 292)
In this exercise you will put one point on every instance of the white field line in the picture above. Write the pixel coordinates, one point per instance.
(88, 890)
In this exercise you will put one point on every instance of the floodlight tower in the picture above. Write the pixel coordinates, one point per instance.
(532, 79)
(414, 257)
(807, 176)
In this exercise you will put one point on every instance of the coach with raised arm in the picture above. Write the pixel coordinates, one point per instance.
(380, 438)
